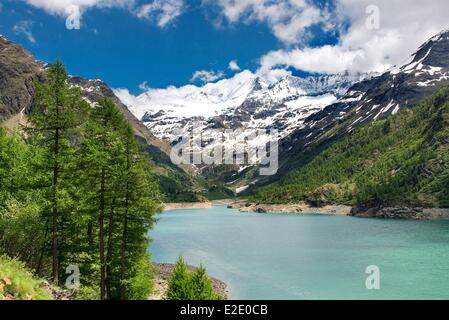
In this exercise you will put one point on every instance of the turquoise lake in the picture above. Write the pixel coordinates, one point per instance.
(289, 256)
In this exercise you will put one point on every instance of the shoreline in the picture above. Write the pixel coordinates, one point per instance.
(401, 212)
(248, 207)
(163, 272)
(195, 205)
(395, 212)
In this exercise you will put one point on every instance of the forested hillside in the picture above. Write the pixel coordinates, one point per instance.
(401, 160)
(19, 72)
(78, 191)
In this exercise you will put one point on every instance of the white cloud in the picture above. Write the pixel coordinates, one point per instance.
(403, 28)
(207, 76)
(326, 59)
(163, 11)
(24, 28)
(60, 6)
(289, 20)
(273, 75)
(126, 97)
(233, 65)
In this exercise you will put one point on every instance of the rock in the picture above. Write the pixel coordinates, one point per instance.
(18, 71)
(400, 212)
(244, 206)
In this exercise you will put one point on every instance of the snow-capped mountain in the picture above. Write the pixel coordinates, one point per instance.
(244, 101)
(305, 111)
(402, 86)
(374, 99)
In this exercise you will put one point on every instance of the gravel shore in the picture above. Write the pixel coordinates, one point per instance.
(244, 206)
(163, 272)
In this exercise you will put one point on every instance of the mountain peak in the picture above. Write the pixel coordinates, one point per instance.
(257, 85)
(431, 57)
(443, 35)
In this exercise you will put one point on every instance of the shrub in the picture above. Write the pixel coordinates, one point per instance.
(185, 285)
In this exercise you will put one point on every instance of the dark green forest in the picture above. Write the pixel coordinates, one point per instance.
(77, 189)
(401, 160)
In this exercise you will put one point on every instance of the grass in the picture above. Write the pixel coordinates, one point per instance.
(18, 283)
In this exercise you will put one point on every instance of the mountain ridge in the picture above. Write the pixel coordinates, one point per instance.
(239, 102)
(372, 100)
(18, 72)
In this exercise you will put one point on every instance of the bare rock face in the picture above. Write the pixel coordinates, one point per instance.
(400, 212)
(18, 71)
(291, 208)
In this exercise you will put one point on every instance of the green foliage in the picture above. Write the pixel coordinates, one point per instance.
(185, 285)
(18, 283)
(79, 190)
(179, 287)
(202, 286)
(141, 284)
(402, 160)
(22, 230)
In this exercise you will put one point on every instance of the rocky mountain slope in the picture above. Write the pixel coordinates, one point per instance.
(19, 70)
(308, 112)
(370, 100)
(422, 74)
(383, 169)
(244, 101)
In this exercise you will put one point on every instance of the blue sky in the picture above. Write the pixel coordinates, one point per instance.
(128, 44)
(124, 51)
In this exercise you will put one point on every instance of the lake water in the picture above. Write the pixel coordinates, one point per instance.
(262, 256)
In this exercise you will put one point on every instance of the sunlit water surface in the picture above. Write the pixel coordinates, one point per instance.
(289, 256)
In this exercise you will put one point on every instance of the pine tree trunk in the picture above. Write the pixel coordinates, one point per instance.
(101, 237)
(90, 238)
(123, 252)
(125, 231)
(54, 250)
(44, 245)
(109, 254)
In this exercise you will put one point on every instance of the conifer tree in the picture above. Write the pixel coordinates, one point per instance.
(179, 287)
(202, 285)
(102, 151)
(58, 114)
(141, 200)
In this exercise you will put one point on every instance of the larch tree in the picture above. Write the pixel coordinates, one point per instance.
(59, 112)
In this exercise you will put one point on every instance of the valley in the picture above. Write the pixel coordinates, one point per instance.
(88, 181)
(344, 139)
